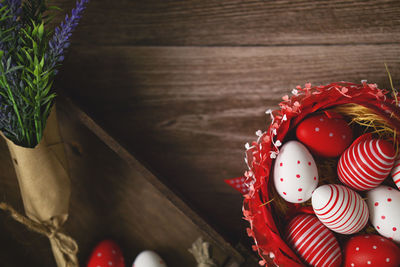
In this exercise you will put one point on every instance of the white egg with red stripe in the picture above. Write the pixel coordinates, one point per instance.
(313, 241)
(340, 209)
(365, 164)
(396, 172)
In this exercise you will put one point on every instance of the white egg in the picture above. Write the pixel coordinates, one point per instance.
(383, 203)
(340, 209)
(295, 173)
(148, 258)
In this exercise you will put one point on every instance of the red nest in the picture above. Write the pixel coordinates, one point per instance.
(269, 242)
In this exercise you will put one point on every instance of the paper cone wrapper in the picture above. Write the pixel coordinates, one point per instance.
(43, 179)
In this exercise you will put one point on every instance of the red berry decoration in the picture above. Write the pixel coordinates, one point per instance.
(106, 254)
(371, 250)
(366, 163)
(325, 135)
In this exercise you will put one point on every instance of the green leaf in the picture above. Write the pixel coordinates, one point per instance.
(41, 31)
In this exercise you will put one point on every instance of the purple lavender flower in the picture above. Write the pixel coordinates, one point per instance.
(60, 41)
(15, 8)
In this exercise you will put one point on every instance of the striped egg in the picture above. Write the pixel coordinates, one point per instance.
(364, 165)
(313, 241)
(396, 172)
(340, 209)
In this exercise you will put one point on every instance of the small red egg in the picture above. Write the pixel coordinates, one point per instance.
(106, 254)
(325, 135)
(371, 250)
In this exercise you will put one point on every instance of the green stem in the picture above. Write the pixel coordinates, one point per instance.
(38, 123)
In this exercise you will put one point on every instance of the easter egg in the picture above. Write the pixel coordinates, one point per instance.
(364, 165)
(339, 208)
(295, 173)
(148, 258)
(396, 172)
(370, 250)
(384, 208)
(326, 136)
(106, 253)
(313, 241)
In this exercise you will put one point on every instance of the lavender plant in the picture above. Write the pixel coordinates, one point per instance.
(30, 55)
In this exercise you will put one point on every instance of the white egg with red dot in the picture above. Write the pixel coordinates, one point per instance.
(383, 203)
(148, 258)
(295, 173)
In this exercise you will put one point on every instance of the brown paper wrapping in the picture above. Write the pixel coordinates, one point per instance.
(45, 187)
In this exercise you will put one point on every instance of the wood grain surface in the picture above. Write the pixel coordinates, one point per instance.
(188, 111)
(237, 22)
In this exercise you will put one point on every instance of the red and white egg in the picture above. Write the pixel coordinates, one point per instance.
(371, 250)
(384, 208)
(396, 172)
(313, 241)
(326, 136)
(295, 173)
(365, 164)
(148, 258)
(340, 209)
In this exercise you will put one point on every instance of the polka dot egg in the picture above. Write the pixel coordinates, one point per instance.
(106, 254)
(371, 250)
(383, 203)
(324, 135)
(295, 173)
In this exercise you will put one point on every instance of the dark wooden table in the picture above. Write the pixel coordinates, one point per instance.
(183, 85)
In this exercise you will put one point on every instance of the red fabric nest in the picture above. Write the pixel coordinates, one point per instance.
(261, 154)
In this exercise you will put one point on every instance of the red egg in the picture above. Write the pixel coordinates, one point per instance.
(315, 243)
(325, 135)
(107, 253)
(371, 250)
(366, 163)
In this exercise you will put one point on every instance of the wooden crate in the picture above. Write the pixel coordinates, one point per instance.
(113, 196)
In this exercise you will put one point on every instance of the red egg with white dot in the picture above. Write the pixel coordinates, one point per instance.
(106, 254)
(295, 173)
(383, 203)
(325, 134)
(371, 250)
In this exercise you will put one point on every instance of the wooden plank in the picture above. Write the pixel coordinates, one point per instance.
(237, 22)
(187, 111)
(110, 199)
